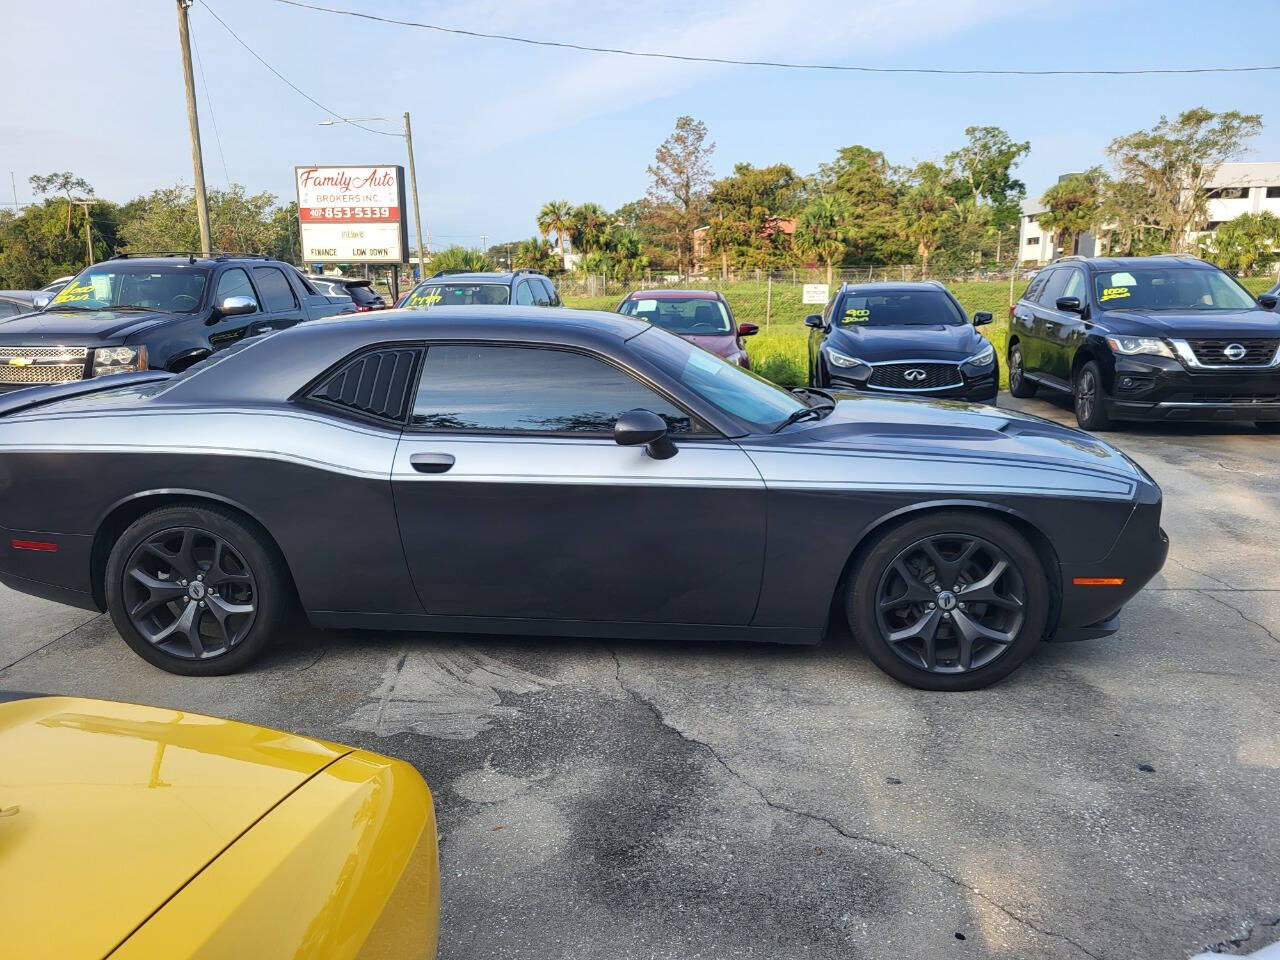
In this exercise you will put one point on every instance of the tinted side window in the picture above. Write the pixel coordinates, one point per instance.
(7, 308)
(234, 283)
(553, 298)
(524, 294)
(1075, 286)
(526, 389)
(378, 383)
(275, 289)
(1053, 289)
(542, 292)
(1035, 286)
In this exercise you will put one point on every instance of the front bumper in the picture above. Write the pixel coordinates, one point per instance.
(1087, 610)
(981, 389)
(1156, 388)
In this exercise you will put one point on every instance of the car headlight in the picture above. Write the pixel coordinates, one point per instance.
(1133, 346)
(855, 367)
(119, 360)
(981, 361)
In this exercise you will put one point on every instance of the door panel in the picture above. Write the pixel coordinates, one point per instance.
(1070, 327)
(581, 528)
(280, 300)
(1046, 332)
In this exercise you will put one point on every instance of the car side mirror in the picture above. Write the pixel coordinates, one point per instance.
(1268, 301)
(41, 301)
(982, 318)
(644, 427)
(814, 320)
(235, 306)
(747, 329)
(1069, 304)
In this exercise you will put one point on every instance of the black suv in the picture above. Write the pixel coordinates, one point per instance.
(450, 288)
(138, 313)
(1147, 338)
(911, 339)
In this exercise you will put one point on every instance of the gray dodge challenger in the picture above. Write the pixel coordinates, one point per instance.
(557, 472)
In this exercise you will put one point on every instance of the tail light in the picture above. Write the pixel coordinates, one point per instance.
(363, 308)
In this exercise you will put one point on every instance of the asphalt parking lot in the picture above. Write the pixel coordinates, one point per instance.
(1114, 798)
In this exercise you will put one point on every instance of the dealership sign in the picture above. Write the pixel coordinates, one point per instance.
(352, 214)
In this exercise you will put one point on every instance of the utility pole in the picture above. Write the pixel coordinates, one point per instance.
(197, 158)
(88, 232)
(484, 243)
(417, 210)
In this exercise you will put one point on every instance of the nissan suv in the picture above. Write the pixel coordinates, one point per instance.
(138, 313)
(1147, 338)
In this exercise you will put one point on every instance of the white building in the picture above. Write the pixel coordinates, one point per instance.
(1236, 188)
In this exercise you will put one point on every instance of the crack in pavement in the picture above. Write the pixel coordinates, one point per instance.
(1246, 934)
(831, 824)
(49, 643)
(1241, 614)
(1199, 573)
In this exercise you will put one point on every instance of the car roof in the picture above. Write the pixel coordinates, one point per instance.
(892, 286)
(19, 294)
(673, 295)
(1121, 263)
(484, 276)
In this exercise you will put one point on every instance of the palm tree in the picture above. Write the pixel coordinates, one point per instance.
(556, 217)
(533, 253)
(822, 228)
(925, 211)
(460, 258)
(1075, 206)
(590, 224)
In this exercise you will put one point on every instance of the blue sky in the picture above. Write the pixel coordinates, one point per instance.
(500, 128)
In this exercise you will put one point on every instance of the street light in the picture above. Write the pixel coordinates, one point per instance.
(413, 175)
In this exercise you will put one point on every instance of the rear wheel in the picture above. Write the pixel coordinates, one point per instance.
(951, 601)
(1089, 398)
(1019, 385)
(196, 591)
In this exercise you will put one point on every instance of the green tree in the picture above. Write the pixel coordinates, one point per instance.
(865, 178)
(680, 179)
(165, 221)
(460, 258)
(590, 221)
(65, 183)
(926, 210)
(1176, 160)
(557, 217)
(1074, 207)
(984, 166)
(536, 253)
(35, 246)
(1249, 242)
(1128, 228)
(821, 228)
(749, 205)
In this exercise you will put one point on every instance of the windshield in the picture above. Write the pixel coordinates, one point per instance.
(724, 385)
(904, 308)
(168, 287)
(427, 295)
(1172, 289)
(685, 316)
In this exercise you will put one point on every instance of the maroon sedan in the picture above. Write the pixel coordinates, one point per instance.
(700, 316)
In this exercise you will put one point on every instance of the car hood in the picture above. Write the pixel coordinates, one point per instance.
(108, 809)
(75, 327)
(907, 426)
(1194, 323)
(722, 344)
(913, 342)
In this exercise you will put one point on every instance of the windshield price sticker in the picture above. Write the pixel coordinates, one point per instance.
(857, 316)
(1115, 293)
(73, 293)
(425, 299)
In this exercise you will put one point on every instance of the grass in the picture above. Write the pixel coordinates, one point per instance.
(779, 351)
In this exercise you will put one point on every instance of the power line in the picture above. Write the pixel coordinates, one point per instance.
(212, 119)
(765, 63)
(286, 80)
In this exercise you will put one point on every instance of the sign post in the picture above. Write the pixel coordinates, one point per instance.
(352, 214)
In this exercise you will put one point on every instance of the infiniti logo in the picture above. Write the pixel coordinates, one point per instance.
(1234, 351)
(915, 373)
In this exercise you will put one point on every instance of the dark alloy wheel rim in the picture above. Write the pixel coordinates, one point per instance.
(950, 603)
(1015, 368)
(190, 593)
(1085, 390)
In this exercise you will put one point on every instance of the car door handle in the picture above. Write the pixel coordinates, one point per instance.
(432, 462)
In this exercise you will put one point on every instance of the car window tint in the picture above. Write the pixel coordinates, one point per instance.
(1035, 286)
(524, 294)
(1075, 286)
(306, 284)
(526, 389)
(553, 297)
(234, 283)
(548, 295)
(1053, 289)
(8, 308)
(275, 289)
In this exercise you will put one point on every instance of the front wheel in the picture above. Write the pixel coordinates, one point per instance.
(197, 591)
(1091, 413)
(820, 378)
(1019, 385)
(950, 601)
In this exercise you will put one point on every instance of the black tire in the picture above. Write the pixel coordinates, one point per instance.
(1024, 578)
(1019, 385)
(1089, 397)
(1267, 426)
(821, 380)
(197, 631)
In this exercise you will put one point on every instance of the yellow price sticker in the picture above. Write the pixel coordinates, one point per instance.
(857, 316)
(424, 299)
(72, 293)
(1115, 293)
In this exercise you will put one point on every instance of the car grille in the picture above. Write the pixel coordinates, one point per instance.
(1256, 352)
(915, 376)
(34, 365)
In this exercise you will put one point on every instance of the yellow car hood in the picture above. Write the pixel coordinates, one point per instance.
(108, 809)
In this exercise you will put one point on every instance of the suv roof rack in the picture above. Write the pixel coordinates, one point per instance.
(452, 271)
(519, 270)
(1071, 256)
(191, 255)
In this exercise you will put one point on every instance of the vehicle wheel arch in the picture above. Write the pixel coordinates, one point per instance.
(1082, 356)
(180, 361)
(869, 534)
(117, 518)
